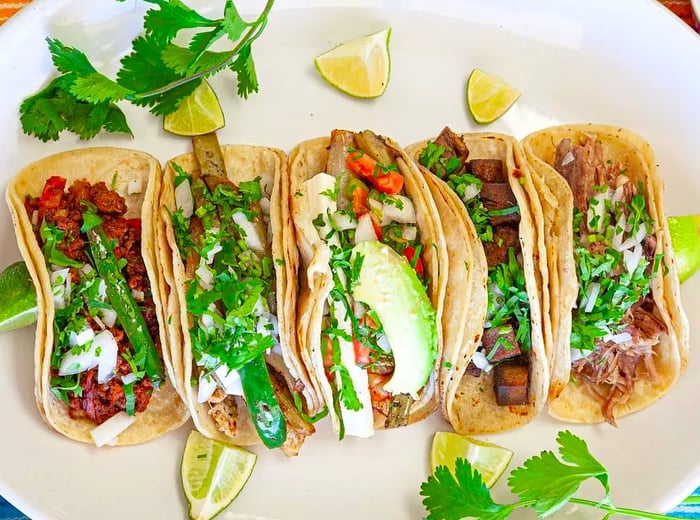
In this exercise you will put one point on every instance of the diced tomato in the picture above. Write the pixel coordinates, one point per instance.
(386, 181)
(361, 352)
(53, 191)
(377, 229)
(409, 252)
(134, 223)
(359, 201)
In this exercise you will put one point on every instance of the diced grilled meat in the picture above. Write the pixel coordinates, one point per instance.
(454, 146)
(511, 383)
(497, 250)
(107, 201)
(498, 196)
(583, 168)
(488, 170)
(297, 428)
(496, 350)
(472, 370)
(224, 414)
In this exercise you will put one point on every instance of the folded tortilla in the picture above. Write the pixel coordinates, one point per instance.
(308, 159)
(468, 400)
(115, 167)
(583, 401)
(243, 163)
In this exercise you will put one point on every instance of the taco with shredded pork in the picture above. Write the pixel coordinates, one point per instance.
(227, 251)
(494, 374)
(621, 330)
(371, 280)
(84, 224)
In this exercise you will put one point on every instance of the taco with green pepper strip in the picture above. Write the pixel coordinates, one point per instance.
(226, 251)
(371, 280)
(621, 333)
(494, 373)
(84, 223)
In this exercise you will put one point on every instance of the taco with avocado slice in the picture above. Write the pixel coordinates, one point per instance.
(227, 250)
(372, 264)
(621, 330)
(494, 374)
(84, 222)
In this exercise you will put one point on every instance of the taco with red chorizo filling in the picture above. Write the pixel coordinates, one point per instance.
(371, 280)
(621, 330)
(84, 224)
(494, 373)
(227, 250)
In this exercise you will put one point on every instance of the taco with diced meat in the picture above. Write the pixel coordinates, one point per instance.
(227, 250)
(84, 224)
(494, 373)
(621, 331)
(371, 280)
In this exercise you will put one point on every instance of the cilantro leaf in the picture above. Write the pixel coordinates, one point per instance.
(233, 24)
(68, 59)
(548, 482)
(244, 68)
(462, 495)
(173, 16)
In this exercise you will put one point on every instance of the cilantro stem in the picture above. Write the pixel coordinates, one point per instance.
(256, 28)
(618, 510)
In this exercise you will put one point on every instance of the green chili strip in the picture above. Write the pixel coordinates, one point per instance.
(122, 301)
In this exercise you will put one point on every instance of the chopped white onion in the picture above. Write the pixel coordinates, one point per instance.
(480, 361)
(183, 198)
(105, 360)
(342, 221)
(109, 316)
(596, 213)
(576, 354)
(204, 275)
(568, 157)
(632, 258)
(409, 233)
(399, 209)
(129, 378)
(206, 321)
(230, 380)
(86, 269)
(81, 338)
(109, 430)
(61, 284)
(617, 194)
(99, 322)
(105, 343)
(618, 232)
(139, 296)
(591, 296)
(620, 338)
(265, 205)
(471, 191)
(383, 343)
(35, 217)
(102, 290)
(212, 253)
(135, 186)
(252, 239)
(268, 325)
(365, 229)
(206, 388)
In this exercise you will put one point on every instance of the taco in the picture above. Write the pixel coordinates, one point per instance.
(227, 251)
(84, 224)
(372, 280)
(616, 307)
(494, 373)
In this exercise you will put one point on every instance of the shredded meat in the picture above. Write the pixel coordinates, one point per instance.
(583, 168)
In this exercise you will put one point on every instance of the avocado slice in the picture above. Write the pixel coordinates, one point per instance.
(387, 283)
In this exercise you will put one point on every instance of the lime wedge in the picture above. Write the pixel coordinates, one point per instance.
(360, 68)
(488, 97)
(685, 239)
(198, 114)
(490, 460)
(213, 473)
(18, 306)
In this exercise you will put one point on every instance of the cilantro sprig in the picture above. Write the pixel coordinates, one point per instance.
(157, 73)
(544, 483)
